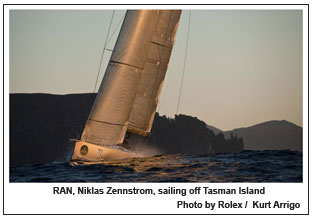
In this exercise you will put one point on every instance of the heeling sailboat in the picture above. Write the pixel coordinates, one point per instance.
(128, 95)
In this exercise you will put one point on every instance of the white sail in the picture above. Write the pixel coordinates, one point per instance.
(108, 120)
(145, 104)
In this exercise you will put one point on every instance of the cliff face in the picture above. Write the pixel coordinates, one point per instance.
(271, 135)
(186, 134)
(42, 124)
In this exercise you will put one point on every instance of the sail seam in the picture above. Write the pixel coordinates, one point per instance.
(105, 122)
(152, 61)
(112, 61)
(162, 45)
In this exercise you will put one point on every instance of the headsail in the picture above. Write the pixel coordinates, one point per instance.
(108, 120)
(145, 104)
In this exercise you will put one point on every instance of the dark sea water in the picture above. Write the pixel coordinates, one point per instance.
(245, 166)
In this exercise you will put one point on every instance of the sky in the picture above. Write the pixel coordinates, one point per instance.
(243, 67)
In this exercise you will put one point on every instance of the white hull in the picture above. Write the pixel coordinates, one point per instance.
(92, 152)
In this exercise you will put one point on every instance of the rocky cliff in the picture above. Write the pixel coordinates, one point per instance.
(270, 135)
(42, 124)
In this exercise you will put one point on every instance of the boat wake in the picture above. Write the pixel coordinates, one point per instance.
(145, 150)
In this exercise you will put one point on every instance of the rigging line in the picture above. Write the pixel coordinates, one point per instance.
(122, 18)
(169, 76)
(111, 21)
(185, 56)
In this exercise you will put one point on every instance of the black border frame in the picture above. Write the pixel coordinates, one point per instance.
(3, 5)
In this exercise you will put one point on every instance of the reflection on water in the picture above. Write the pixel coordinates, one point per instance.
(246, 166)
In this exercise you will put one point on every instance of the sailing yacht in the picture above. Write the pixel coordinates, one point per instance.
(128, 95)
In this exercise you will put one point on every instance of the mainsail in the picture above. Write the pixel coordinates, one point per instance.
(133, 78)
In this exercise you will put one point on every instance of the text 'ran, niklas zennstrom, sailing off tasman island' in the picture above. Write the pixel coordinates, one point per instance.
(211, 205)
